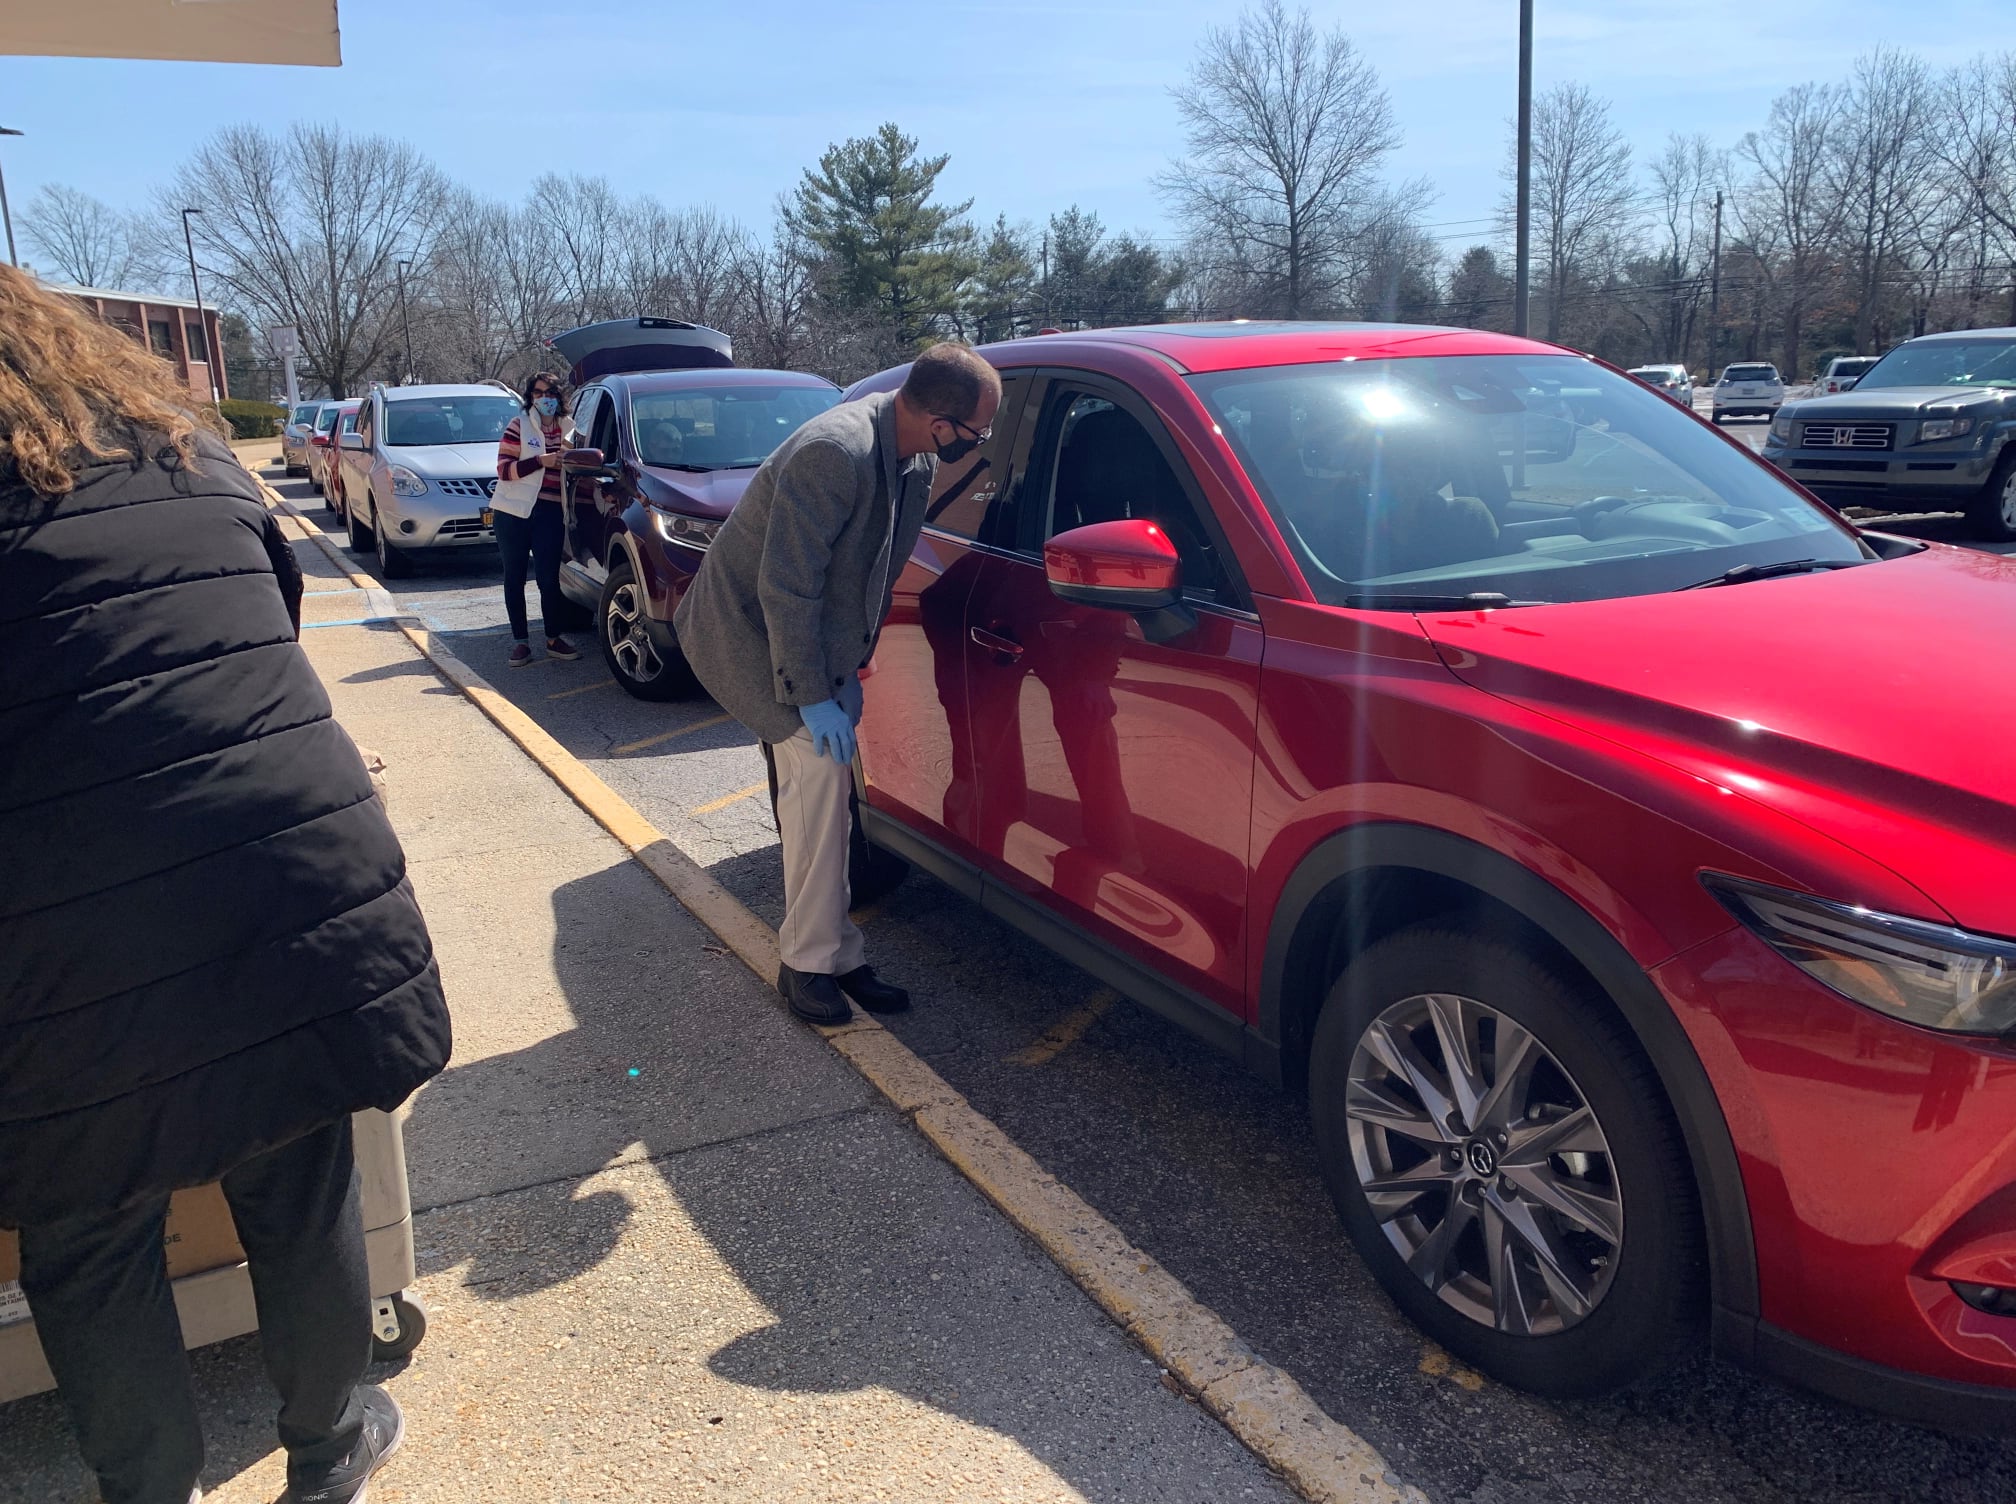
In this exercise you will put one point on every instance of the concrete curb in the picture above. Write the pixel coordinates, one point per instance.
(1271, 1414)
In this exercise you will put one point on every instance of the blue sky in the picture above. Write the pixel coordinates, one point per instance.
(1040, 103)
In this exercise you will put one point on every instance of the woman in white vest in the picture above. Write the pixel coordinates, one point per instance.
(526, 513)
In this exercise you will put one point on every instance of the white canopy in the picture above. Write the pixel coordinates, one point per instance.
(201, 31)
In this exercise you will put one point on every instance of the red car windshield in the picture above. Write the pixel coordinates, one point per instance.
(1541, 478)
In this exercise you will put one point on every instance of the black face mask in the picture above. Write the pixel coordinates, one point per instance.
(957, 450)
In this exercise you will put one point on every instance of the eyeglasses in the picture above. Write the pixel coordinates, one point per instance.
(977, 435)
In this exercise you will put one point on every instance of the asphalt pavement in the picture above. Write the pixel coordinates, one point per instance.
(1201, 1165)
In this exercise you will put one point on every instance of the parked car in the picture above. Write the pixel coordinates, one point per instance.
(1842, 372)
(1752, 389)
(679, 447)
(294, 435)
(322, 444)
(1647, 970)
(1927, 428)
(1672, 381)
(419, 470)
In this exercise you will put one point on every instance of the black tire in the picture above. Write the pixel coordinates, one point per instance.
(1644, 1290)
(393, 563)
(634, 659)
(1718, 414)
(412, 1330)
(1992, 518)
(359, 537)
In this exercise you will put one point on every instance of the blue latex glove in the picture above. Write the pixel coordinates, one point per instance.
(832, 730)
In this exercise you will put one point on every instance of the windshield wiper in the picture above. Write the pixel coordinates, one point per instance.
(689, 469)
(1743, 574)
(1476, 600)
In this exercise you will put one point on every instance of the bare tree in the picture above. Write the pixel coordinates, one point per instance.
(1584, 202)
(463, 316)
(686, 264)
(1791, 207)
(1883, 153)
(577, 222)
(1977, 105)
(88, 242)
(1685, 178)
(1286, 130)
(304, 230)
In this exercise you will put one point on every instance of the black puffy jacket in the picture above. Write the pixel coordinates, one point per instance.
(208, 945)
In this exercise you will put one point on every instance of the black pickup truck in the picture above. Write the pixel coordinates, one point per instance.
(1929, 428)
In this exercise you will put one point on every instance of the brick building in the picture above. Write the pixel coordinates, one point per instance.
(170, 327)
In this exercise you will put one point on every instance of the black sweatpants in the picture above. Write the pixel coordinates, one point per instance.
(97, 1285)
(539, 535)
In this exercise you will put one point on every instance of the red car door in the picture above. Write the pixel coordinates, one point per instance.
(916, 751)
(1116, 771)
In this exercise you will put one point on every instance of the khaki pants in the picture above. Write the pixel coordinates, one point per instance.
(815, 823)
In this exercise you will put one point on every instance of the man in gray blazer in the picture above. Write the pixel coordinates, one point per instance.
(784, 615)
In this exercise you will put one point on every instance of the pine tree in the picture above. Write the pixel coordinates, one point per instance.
(886, 249)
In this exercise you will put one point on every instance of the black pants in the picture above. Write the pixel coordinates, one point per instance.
(97, 1286)
(539, 535)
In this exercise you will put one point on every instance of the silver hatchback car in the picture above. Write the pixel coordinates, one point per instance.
(419, 471)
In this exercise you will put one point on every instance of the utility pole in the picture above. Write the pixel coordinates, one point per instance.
(400, 272)
(1522, 255)
(1047, 319)
(6, 213)
(1715, 289)
(202, 319)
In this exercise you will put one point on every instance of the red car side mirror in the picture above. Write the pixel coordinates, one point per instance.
(319, 440)
(1129, 565)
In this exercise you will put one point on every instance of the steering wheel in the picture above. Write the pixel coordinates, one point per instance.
(1587, 514)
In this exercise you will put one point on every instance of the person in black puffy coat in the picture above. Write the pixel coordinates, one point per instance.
(210, 955)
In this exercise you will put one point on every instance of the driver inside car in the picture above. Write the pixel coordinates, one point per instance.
(1371, 500)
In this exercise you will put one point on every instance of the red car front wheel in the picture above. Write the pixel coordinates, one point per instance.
(1502, 1157)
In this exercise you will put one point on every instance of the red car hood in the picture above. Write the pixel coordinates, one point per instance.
(1873, 704)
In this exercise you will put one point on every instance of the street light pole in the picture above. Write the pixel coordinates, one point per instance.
(404, 323)
(1522, 255)
(6, 213)
(202, 318)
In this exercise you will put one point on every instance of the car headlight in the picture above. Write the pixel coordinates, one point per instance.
(406, 483)
(1922, 973)
(677, 527)
(1943, 428)
(1781, 428)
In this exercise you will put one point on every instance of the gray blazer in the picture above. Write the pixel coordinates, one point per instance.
(790, 599)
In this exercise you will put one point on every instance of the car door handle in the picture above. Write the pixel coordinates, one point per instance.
(993, 642)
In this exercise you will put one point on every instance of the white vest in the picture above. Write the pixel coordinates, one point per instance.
(519, 496)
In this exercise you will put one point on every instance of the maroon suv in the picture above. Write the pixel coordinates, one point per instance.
(679, 447)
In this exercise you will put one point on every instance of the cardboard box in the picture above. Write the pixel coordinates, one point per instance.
(200, 1237)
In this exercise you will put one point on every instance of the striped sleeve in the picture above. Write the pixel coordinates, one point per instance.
(509, 448)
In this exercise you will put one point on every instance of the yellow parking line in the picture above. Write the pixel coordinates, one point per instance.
(735, 798)
(564, 694)
(666, 736)
(1067, 1031)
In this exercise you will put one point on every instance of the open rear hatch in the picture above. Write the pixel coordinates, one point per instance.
(619, 346)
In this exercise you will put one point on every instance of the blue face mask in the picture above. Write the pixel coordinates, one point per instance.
(547, 406)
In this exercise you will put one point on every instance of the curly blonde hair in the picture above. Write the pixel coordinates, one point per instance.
(75, 390)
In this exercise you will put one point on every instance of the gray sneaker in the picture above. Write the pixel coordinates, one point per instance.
(349, 1481)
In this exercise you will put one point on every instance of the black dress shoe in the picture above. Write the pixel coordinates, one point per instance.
(813, 997)
(871, 992)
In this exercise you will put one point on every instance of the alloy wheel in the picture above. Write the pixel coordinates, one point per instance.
(629, 640)
(1483, 1164)
(2009, 502)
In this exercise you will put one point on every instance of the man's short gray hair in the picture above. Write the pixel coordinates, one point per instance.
(947, 380)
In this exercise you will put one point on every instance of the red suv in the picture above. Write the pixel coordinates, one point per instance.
(1619, 846)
